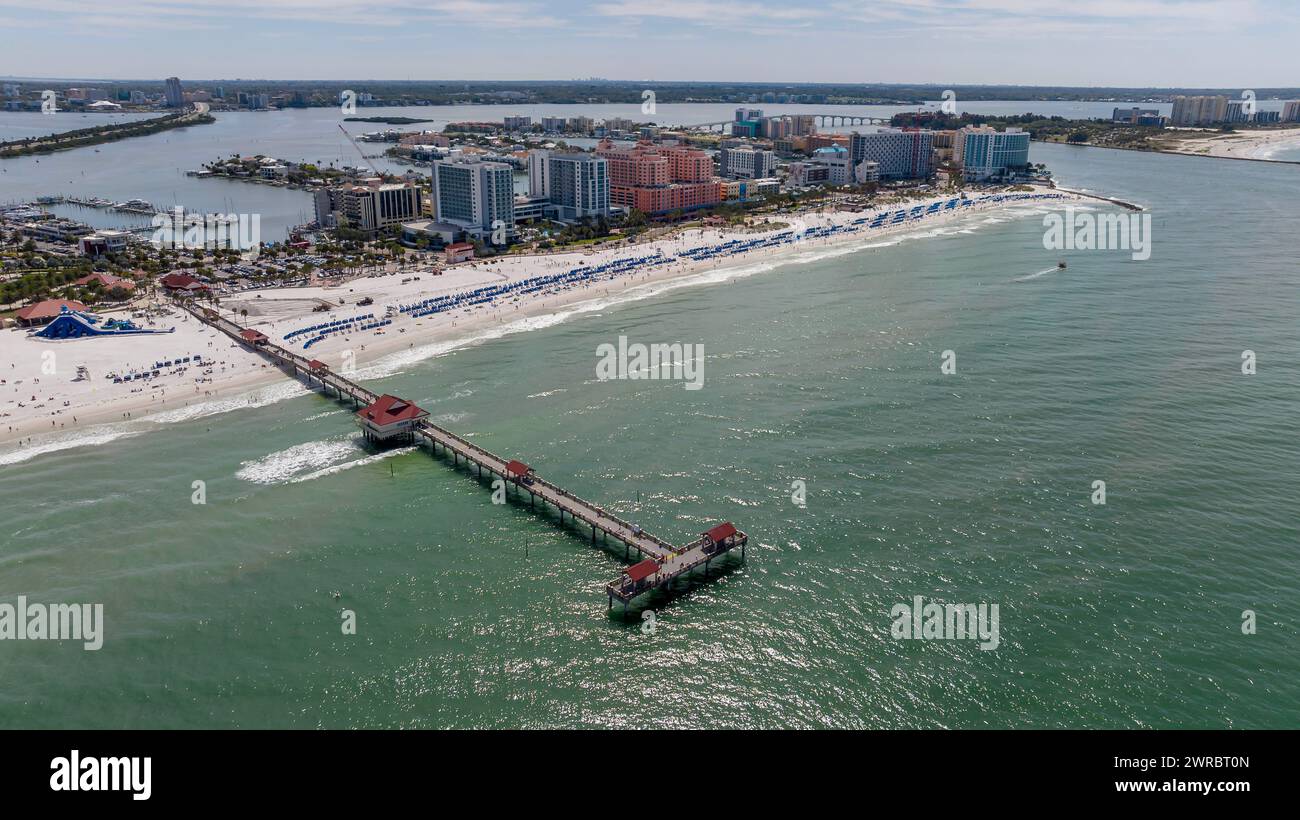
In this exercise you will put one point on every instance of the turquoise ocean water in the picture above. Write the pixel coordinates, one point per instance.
(967, 488)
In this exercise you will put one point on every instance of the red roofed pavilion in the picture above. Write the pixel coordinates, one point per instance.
(719, 534)
(43, 312)
(642, 569)
(388, 417)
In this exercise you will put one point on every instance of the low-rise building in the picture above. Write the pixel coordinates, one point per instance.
(459, 252)
(1136, 116)
(44, 312)
(103, 242)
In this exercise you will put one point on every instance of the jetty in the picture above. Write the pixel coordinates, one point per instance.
(386, 418)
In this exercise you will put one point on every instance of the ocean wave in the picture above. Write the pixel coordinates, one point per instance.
(396, 363)
(348, 465)
(261, 397)
(284, 465)
(91, 437)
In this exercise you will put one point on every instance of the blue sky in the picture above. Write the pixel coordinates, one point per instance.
(1209, 43)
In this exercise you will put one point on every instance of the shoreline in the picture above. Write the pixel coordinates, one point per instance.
(234, 377)
(1218, 146)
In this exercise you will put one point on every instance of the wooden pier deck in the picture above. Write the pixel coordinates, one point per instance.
(661, 564)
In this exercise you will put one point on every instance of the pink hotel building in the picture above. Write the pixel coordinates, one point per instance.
(658, 178)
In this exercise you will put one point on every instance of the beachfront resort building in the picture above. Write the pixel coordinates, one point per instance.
(659, 178)
(575, 184)
(898, 153)
(746, 162)
(985, 152)
(371, 208)
(1204, 110)
(477, 196)
(838, 162)
(804, 174)
(376, 208)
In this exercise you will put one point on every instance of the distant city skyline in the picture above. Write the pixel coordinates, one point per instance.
(1114, 43)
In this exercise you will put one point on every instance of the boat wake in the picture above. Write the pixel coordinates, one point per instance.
(303, 462)
(338, 468)
(1036, 275)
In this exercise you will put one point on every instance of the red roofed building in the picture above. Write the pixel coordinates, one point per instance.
(107, 280)
(256, 337)
(389, 417)
(182, 283)
(459, 252)
(519, 471)
(718, 535)
(642, 570)
(44, 312)
(659, 178)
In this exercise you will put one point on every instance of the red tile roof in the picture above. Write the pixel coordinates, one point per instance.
(253, 335)
(720, 533)
(108, 280)
(47, 309)
(518, 468)
(644, 569)
(182, 281)
(388, 409)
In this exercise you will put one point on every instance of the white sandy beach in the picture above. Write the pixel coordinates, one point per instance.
(43, 412)
(1241, 145)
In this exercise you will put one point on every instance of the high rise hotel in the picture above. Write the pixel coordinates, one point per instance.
(474, 195)
(659, 178)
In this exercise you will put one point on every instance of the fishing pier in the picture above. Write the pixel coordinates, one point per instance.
(386, 418)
